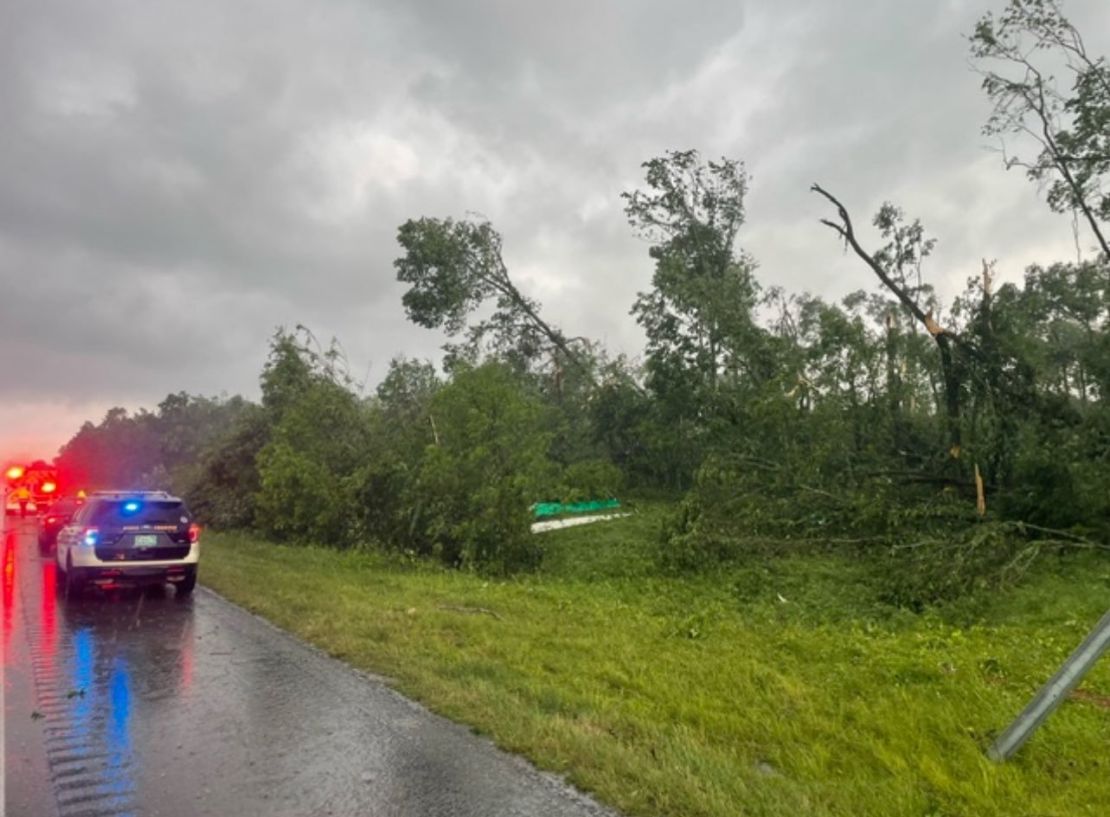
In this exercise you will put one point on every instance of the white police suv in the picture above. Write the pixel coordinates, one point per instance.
(129, 538)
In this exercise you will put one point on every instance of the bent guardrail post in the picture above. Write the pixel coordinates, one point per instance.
(1050, 695)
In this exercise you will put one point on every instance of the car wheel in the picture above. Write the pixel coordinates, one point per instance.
(186, 585)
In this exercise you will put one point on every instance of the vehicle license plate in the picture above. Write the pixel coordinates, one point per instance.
(146, 540)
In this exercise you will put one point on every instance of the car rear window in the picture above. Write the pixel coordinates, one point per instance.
(140, 512)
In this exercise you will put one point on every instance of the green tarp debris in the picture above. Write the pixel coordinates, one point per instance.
(544, 509)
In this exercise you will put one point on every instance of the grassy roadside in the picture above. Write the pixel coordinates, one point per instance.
(781, 688)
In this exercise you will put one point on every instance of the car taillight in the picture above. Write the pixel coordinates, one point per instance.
(194, 533)
(90, 537)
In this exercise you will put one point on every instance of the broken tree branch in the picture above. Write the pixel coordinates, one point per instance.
(455, 608)
(943, 337)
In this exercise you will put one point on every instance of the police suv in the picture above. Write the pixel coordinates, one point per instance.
(129, 538)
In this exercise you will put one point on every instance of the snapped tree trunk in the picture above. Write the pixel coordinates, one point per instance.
(942, 337)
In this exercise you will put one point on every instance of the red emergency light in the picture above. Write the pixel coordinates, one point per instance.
(15, 472)
(49, 487)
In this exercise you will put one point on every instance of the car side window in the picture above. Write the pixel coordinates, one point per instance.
(81, 515)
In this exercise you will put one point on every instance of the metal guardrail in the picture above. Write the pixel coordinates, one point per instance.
(1051, 695)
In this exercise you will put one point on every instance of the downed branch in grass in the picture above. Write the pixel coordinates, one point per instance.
(990, 554)
(1068, 539)
(455, 608)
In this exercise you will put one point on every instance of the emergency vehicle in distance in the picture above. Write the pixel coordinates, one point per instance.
(30, 488)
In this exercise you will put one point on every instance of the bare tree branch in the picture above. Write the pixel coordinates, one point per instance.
(944, 338)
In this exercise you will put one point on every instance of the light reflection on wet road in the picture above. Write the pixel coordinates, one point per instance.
(130, 703)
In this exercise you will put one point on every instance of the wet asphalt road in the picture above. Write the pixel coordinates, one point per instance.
(130, 703)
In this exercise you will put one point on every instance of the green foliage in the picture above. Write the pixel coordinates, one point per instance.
(698, 314)
(618, 412)
(1020, 52)
(591, 479)
(470, 498)
(935, 569)
(453, 268)
(401, 427)
(300, 498)
(318, 440)
(926, 551)
(288, 373)
(223, 486)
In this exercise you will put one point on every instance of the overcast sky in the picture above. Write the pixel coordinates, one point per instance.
(178, 179)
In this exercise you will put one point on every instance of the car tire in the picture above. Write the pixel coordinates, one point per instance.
(186, 585)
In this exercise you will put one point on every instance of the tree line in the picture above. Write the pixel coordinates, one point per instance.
(959, 440)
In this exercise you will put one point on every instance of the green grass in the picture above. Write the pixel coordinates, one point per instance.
(784, 687)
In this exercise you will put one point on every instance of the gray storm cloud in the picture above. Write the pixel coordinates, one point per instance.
(177, 179)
